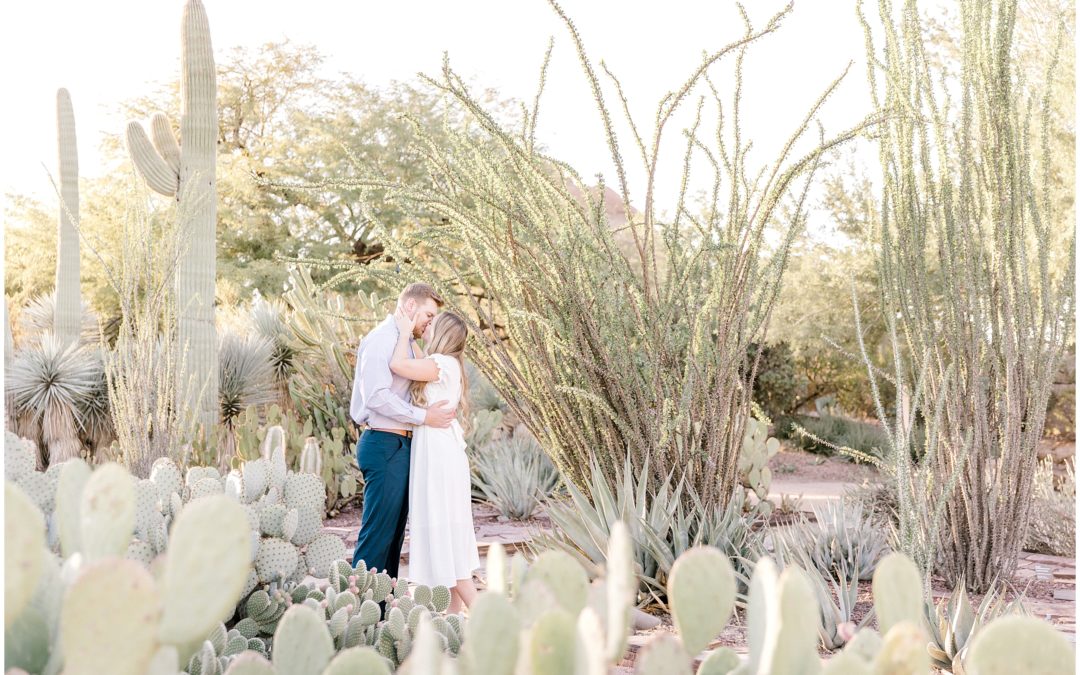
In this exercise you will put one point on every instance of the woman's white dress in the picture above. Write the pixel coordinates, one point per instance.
(442, 543)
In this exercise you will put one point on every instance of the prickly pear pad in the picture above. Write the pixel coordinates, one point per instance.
(702, 592)
(109, 621)
(24, 553)
(108, 512)
(208, 563)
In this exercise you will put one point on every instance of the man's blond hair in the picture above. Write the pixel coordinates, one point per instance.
(420, 292)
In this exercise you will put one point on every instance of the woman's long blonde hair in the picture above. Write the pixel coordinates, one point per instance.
(448, 336)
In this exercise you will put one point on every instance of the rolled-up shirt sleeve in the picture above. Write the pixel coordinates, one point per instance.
(373, 381)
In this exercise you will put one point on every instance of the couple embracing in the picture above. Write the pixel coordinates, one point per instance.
(412, 450)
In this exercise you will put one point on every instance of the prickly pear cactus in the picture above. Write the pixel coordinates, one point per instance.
(754, 473)
(302, 642)
(20, 457)
(1020, 644)
(301, 448)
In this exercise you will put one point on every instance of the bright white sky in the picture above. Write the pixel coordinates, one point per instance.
(106, 52)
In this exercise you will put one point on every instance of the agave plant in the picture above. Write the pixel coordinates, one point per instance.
(483, 425)
(246, 374)
(513, 474)
(954, 624)
(482, 394)
(661, 527)
(842, 537)
(52, 387)
(583, 523)
(732, 528)
(837, 592)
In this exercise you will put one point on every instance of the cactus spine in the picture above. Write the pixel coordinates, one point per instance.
(66, 309)
(187, 171)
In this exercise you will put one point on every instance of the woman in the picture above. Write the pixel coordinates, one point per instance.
(442, 543)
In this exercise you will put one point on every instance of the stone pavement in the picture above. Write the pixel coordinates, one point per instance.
(1061, 574)
(811, 493)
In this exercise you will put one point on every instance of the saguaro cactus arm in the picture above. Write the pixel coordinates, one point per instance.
(151, 166)
(165, 141)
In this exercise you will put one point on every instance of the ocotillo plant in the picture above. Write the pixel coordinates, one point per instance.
(186, 171)
(67, 315)
(605, 347)
(978, 320)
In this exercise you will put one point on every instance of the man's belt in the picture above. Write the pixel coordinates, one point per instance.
(400, 432)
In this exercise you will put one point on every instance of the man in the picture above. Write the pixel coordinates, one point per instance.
(381, 402)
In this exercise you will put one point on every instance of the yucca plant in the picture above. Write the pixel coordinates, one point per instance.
(38, 316)
(245, 380)
(98, 431)
(976, 318)
(53, 386)
(269, 321)
(246, 375)
(609, 328)
(513, 474)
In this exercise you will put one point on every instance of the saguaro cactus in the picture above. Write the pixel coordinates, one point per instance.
(67, 312)
(185, 170)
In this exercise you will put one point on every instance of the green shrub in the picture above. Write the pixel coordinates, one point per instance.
(829, 432)
(776, 388)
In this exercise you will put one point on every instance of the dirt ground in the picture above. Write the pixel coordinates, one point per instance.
(796, 465)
